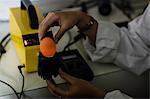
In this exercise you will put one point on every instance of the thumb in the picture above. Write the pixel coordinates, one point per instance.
(70, 79)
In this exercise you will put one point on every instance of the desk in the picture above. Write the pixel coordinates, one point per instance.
(10, 73)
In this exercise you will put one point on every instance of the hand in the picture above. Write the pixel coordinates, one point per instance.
(77, 88)
(65, 20)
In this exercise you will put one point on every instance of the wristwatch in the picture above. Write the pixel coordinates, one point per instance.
(88, 25)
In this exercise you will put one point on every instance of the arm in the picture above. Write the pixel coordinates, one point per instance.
(67, 20)
(128, 48)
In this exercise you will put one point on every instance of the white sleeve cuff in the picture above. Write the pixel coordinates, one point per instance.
(116, 95)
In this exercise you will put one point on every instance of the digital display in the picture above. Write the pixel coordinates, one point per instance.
(30, 39)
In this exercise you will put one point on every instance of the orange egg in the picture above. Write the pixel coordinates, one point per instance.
(48, 47)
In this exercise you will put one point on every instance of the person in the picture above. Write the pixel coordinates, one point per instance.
(126, 47)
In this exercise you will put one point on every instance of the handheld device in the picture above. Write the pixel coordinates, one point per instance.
(50, 61)
(70, 62)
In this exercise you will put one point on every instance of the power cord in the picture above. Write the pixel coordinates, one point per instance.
(5, 38)
(11, 88)
(23, 80)
(3, 44)
(18, 96)
(76, 38)
(2, 50)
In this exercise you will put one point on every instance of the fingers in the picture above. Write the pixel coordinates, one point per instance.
(58, 91)
(51, 84)
(50, 19)
(70, 79)
(59, 34)
(55, 90)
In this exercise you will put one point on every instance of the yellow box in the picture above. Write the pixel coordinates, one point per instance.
(20, 28)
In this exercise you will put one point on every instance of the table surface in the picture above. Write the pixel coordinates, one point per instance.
(9, 61)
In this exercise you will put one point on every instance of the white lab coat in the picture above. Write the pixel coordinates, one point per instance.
(128, 48)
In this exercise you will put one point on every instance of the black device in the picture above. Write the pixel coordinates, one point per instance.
(70, 62)
(104, 7)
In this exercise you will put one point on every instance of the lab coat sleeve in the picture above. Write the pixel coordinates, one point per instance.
(107, 42)
(128, 48)
(116, 95)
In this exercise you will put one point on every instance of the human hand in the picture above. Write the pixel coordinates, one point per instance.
(77, 88)
(65, 20)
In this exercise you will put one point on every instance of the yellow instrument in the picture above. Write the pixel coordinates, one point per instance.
(24, 23)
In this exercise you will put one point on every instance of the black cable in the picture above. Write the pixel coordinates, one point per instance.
(2, 51)
(22, 86)
(2, 48)
(4, 45)
(11, 88)
(5, 38)
(18, 96)
(76, 38)
(68, 45)
(20, 70)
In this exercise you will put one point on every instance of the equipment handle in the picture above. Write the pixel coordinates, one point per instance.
(33, 18)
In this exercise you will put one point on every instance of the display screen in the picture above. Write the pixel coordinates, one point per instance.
(30, 39)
